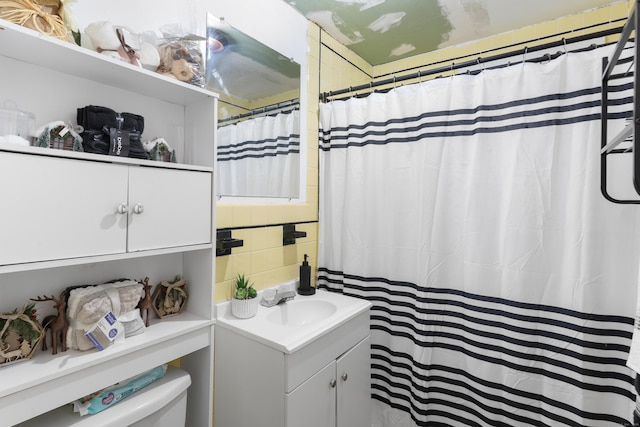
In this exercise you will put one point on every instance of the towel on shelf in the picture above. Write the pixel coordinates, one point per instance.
(86, 305)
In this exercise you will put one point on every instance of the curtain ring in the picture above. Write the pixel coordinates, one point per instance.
(419, 77)
(524, 55)
(453, 72)
(480, 67)
(564, 44)
(394, 81)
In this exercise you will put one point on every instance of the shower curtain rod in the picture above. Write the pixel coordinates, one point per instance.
(324, 97)
(265, 109)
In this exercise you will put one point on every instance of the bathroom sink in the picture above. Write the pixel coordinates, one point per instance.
(295, 323)
(301, 312)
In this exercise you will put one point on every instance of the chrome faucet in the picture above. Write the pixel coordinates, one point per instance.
(270, 299)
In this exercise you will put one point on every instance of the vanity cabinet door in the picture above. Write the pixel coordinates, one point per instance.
(353, 397)
(339, 395)
(168, 208)
(313, 403)
(55, 208)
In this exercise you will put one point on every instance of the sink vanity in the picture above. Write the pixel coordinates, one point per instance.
(305, 362)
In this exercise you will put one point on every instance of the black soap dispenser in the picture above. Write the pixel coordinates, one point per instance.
(305, 279)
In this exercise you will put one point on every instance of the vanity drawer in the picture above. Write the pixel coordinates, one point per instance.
(305, 362)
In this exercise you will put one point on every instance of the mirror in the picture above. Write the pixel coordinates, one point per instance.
(258, 140)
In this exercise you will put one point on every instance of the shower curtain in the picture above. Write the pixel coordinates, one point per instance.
(260, 156)
(467, 210)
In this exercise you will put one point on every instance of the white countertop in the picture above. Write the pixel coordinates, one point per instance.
(290, 337)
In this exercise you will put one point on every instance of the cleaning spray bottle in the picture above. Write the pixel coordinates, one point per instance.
(305, 279)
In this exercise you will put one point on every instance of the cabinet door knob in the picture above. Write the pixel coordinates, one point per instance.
(138, 209)
(122, 208)
(332, 383)
(345, 376)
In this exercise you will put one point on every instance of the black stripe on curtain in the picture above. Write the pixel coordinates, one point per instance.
(529, 113)
(280, 146)
(582, 350)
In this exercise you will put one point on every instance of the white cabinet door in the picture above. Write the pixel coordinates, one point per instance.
(168, 208)
(354, 387)
(313, 403)
(54, 208)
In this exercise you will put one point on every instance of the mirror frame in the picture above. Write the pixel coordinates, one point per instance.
(263, 32)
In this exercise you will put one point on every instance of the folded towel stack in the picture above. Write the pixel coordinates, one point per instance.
(88, 304)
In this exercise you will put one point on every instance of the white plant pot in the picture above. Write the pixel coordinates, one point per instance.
(244, 308)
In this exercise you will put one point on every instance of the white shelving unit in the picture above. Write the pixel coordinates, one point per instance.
(52, 201)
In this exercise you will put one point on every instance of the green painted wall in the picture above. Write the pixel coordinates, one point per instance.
(423, 26)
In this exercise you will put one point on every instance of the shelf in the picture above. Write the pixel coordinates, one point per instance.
(32, 47)
(47, 367)
(29, 266)
(48, 381)
(74, 241)
(40, 151)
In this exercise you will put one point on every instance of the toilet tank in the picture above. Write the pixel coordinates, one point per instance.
(162, 403)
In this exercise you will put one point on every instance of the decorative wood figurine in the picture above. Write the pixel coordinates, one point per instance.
(57, 324)
(10, 355)
(145, 302)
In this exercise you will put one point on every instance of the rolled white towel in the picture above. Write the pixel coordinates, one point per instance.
(103, 35)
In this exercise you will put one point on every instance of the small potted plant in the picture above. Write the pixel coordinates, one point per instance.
(244, 303)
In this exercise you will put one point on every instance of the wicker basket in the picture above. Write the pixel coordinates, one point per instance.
(44, 16)
(51, 7)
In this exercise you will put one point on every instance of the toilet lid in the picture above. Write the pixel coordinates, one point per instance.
(134, 408)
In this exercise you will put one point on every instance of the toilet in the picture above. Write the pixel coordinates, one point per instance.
(162, 403)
